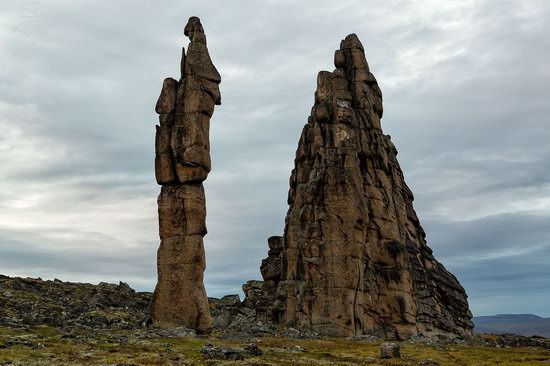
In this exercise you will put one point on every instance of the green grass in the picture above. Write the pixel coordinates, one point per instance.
(135, 348)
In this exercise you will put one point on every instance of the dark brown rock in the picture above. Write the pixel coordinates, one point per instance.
(271, 266)
(353, 259)
(182, 210)
(182, 163)
(164, 168)
(167, 119)
(167, 99)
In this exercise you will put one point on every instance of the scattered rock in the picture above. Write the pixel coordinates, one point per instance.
(253, 349)
(390, 350)
(38, 346)
(221, 353)
(430, 341)
(298, 334)
(514, 340)
(18, 342)
(242, 327)
(428, 363)
(365, 338)
(221, 320)
(175, 332)
(295, 348)
(249, 313)
(300, 349)
(225, 310)
(291, 333)
(230, 301)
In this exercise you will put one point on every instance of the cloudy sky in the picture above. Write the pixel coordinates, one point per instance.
(467, 98)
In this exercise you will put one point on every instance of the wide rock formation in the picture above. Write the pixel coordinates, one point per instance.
(182, 163)
(353, 259)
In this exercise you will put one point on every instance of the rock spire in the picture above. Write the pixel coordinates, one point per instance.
(182, 163)
(353, 258)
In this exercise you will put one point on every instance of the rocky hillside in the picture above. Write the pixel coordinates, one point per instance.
(33, 301)
(63, 323)
(30, 301)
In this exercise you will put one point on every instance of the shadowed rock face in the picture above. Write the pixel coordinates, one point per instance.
(182, 163)
(353, 259)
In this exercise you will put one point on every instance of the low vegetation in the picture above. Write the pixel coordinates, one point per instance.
(61, 323)
(43, 345)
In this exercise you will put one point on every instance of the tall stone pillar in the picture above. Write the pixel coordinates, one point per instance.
(182, 163)
(353, 258)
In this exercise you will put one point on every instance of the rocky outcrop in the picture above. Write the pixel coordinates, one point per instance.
(261, 295)
(353, 259)
(33, 301)
(182, 163)
(236, 319)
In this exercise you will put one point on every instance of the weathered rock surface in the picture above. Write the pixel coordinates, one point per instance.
(220, 353)
(353, 259)
(182, 163)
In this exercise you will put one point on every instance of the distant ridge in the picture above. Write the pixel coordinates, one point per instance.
(523, 324)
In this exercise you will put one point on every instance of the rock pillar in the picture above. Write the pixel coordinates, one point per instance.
(353, 258)
(182, 163)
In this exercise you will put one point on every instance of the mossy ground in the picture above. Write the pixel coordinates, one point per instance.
(49, 346)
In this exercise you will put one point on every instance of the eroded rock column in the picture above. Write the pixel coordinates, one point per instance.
(182, 163)
(353, 258)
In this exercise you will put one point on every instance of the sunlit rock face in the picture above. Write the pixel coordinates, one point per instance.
(182, 163)
(353, 258)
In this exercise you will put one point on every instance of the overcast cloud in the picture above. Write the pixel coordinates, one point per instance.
(466, 91)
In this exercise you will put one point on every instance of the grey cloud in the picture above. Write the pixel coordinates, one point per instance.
(55, 253)
(466, 241)
(502, 255)
(513, 284)
(465, 88)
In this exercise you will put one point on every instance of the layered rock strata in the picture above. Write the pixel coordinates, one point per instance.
(182, 163)
(353, 259)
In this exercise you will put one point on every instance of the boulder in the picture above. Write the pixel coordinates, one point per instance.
(428, 363)
(221, 353)
(390, 350)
